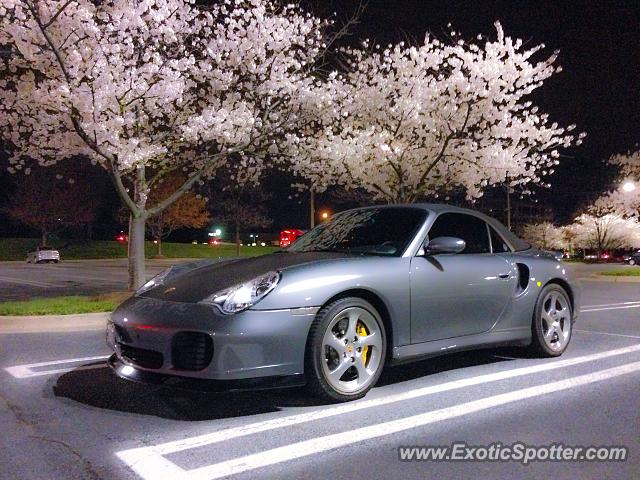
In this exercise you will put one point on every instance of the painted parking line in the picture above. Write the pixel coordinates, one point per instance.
(27, 371)
(600, 309)
(612, 304)
(162, 469)
(149, 462)
(608, 333)
(343, 439)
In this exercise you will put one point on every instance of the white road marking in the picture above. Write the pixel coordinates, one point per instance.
(149, 462)
(31, 283)
(583, 310)
(337, 440)
(25, 371)
(611, 304)
(608, 333)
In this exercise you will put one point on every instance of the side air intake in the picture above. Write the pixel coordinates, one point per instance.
(523, 276)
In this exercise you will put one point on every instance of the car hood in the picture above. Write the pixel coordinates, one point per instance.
(203, 280)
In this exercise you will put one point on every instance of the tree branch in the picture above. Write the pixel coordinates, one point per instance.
(174, 196)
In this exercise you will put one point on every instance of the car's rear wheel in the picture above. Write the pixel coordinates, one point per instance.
(632, 262)
(552, 322)
(345, 351)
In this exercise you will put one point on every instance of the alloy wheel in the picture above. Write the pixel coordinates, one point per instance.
(556, 320)
(352, 350)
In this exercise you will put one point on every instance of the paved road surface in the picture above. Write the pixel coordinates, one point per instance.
(19, 280)
(64, 415)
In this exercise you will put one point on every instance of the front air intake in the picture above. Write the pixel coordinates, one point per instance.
(191, 351)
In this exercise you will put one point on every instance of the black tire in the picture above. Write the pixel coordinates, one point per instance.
(632, 262)
(317, 384)
(539, 346)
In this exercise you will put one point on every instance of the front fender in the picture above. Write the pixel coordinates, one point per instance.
(315, 284)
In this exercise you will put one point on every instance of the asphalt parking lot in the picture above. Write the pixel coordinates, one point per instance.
(64, 415)
(20, 280)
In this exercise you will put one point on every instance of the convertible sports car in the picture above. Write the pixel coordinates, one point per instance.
(368, 288)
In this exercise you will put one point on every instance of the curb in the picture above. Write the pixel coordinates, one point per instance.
(53, 323)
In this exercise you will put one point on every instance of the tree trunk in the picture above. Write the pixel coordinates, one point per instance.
(237, 240)
(137, 221)
(44, 238)
(159, 253)
(312, 208)
(136, 251)
(508, 207)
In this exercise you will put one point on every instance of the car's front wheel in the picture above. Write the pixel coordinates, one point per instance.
(552, 322)
(632, 262)
(345, 351)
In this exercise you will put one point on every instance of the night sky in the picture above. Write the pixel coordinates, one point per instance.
(599, 88)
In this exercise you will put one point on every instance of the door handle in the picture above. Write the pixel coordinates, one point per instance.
(504, 275)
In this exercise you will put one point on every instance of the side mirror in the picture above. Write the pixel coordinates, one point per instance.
(445, 245)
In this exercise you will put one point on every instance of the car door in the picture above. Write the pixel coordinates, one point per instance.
(459, 294)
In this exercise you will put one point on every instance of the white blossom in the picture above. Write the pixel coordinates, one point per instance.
(624, 199)
(605, 232)
(545, 235)
(407, 122)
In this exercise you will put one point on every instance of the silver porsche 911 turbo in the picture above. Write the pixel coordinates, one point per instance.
(368, 288)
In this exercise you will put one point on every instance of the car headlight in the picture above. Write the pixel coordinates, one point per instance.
(154, 282)
(242, 296)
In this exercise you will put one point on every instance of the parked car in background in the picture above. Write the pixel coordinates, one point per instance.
(605, 257)
(43, 255)
(633, 258)
(558, 255)
(290, 235)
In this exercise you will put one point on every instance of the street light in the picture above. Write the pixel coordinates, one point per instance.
(324, 215)
(629, 186)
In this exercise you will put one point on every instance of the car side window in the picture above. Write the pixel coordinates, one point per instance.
(498, 245)
(471, 229)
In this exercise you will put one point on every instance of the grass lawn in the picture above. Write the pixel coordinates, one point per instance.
(64, 305)
(17, 248)
(622, 272)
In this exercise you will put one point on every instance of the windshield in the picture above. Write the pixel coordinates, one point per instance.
(370, 231)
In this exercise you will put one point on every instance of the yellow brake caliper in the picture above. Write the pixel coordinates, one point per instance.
(361, 330)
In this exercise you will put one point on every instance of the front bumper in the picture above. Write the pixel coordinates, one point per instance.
(265, 344)
(138, 375)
